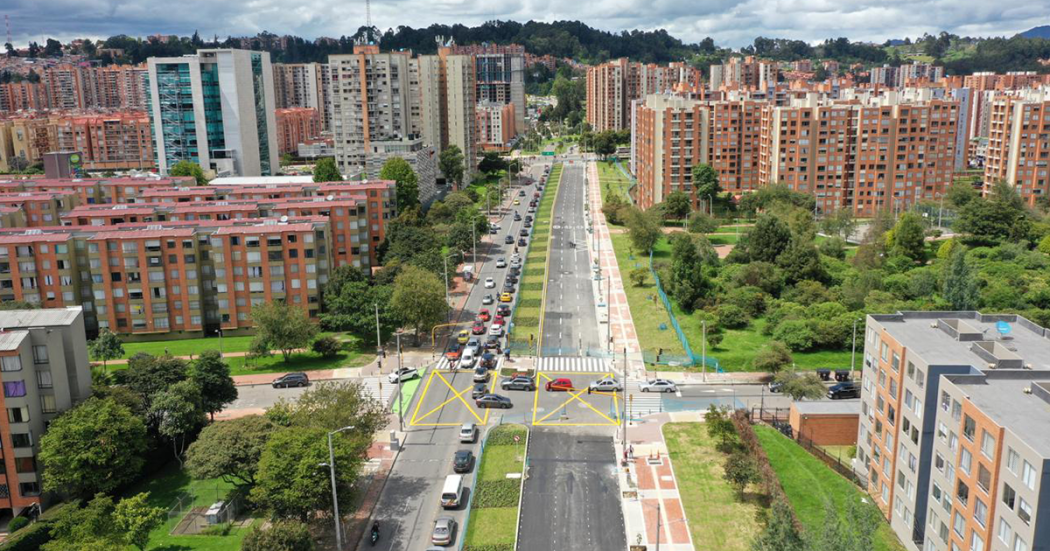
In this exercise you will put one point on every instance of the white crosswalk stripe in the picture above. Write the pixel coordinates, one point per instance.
(379, 388)
(574, 364)
(642, 403)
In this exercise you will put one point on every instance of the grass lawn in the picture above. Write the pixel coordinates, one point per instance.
(500, 460)
(168, 484)
(185, 347)
(492, 526)
(809, 483)
(302, 361)
(613, 182)
(717, 518)
(737, 350)
(647, 313)
(529, 308)
(497, 525)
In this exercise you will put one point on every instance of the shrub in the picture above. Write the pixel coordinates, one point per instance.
(1044, 245)
(701, 223)
(17, 524)
(638, 276)
(714, 338)
(751, 299)
(284, 535)
(496, 493)
(796, 334)
(30, 538)
(773, 357)
(503, 435)
(327, 346)
(732, 316)
(834, 247)
(490, 547)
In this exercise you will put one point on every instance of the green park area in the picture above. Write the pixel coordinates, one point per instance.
(494, 505)
(529, 310)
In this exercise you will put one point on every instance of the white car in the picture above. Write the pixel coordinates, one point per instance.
(608, 384)
(501, 263)
(488, 299)
(406, 374)
(496, 329)
(658, 385)
(490, 283)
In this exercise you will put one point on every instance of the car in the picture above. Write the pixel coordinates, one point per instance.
(488, 299)
(515, 271)
(658, 385)
(501, 262)
(499, 319)
(492, 342)
(528, 225)
(536, 194)
(561, 384)
(524, 233)
(480, 389)
(403, 374)
(474, 344)
(506, 297)
(493, 230)
(503, 309)
(518, 382)
(517, 202)
(844, 390)
(521, 193)
(444, 527)
(481, 375)
(463, 336)
(453, 351)
(291, 380)
(532, 210)
(490, 283)
(488, 360)
(776, 386)
(484, 314)
(508, 287)
(478, 329)
(517, 217)
(528, 218)
(466, 361)
(462, 461)
(493, 401)
(522, 242)
(512, 279)
(496, 330)
(607, 384)
(509, 240)
(468, 433)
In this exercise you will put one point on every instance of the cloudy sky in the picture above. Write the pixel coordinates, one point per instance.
(730, 22)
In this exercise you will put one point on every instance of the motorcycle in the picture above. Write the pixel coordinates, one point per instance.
(375, 533)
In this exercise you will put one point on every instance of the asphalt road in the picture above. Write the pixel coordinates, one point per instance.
(572, 499)
(570, 324)
(409, 503)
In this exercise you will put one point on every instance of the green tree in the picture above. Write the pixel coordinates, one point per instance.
(18, 305)
(230, 450)
(643, 227)
(189, 168)
(780, 533)
(773, 357)
(406, 182)
(350, 304)
(801, 385)
(212, 377)
(909, 237)
(800, 261)
(491, 163)
(282, 326)
(961, 288)
(677, 205)
(719, 425)
(327, 346)
(701, 223)
(148, 375)
(325, 170)
(106, 347)
(450, 161)
(604, 144)
(839, 223)
(179, 415)
(419, 299)
(135, 519)
(705, 182)
(769, 239)
(688, 284)
(740, 470)
(282, 535)
(1000, 217)
(90, 528)
(961, 193)
(97, 446)
(638, 276)
(849, 528)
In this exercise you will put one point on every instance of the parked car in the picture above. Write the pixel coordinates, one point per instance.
(493, 401)
(484, 314)
(488, 299)
(523, 233)
(493, 230)
(444, 527)
(291, 380)
(503, 309)
(490, 283)
(512, 279)
(658, 385)
(518, 382)
(462, 461)
(501, 263)
(453, 351)
(499, 319)
(468, 433)
(776, 386)
(480, 389)
(505, 297)
(403, 374)
(844, 390)
(608, 384)
(492, 342)
(561, 384)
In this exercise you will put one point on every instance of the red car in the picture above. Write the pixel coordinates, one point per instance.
(478, 329)
(559, 384)
(498, 319)
(484, 315)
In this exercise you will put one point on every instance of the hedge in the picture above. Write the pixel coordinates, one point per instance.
(770, 482)
(29, 538)
(504, 435)
(490, 547)
(496, 493)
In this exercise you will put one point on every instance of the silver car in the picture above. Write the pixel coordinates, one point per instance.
(444, 528)
(658, 385)
(608, 384)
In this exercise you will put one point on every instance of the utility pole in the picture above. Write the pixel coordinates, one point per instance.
(703, 350)
(448, 299)
(400, 402)
(379, 343)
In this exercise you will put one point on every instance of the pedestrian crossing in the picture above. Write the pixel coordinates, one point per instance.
(573, 364)
(642, 403)
(379, 388)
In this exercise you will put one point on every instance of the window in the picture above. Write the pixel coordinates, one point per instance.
(47, 404)
(938, 462)
(969, 428)
(11, 363)
(1009, 496)
(29, 488)
(40, 354)
(963, 493)
(1005, 532)
(22, 440)
(1011, 460)
(958, 524)
(14, 389)
(976, 542)
(1028, 475)
(25, 464)
(1024, 510)
(18, 414)
(980, 512)
(984, 477)
(43, 379)
(965, 461)
(1020, 544)
(987, 444)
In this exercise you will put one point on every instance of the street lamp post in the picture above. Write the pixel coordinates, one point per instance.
(853, 351)
(448, 299)
(335, 495)
(703, 350)
(400, 402)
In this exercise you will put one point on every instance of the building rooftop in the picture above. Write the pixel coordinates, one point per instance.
(11, 340)
(260, 180)
(828, 407)
(20, 319)
(1005, 401)
(974, 340)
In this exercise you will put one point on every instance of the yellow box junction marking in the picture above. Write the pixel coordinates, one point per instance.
(573, 396)
(456, 395)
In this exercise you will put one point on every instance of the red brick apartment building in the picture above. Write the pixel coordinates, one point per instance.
(296, 125)
(1019, 143)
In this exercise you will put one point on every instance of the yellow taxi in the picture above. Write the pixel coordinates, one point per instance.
(517, 202)
(463, 336)
(505, 297)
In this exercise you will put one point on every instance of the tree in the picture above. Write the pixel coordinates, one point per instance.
(961, 288)
(719, 425)
(839, 223)
(604, 144)
(491, 163)
(148, 375)
(677, 205)
(95, 447)
(325, 170)
(909, 237)
(705, 182)
(849, 528)
(405, 179)
(638, 276)
(701, 223)
(773, 357)
(18, 305)
(179, 414)
(801, 386)
(212, 377)
(643, 227)
(106, 347)
(282, 535)
(52, 48)
(688, 284)
(89, 528)
(769, 239)
(282, 326)
(450, 161)
(350, 304)
(800, 261)
(290, 483)
(189, 168)
(1000, 217)
(740, 470)
(327, 346)
(419, 299)
(781, 533)
(961, 193)
(230, 450)
(135, 519)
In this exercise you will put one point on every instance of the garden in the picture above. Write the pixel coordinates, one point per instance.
(493, 520)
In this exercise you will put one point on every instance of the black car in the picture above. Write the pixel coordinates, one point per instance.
(509, 240)
(524, 233)
(519, 382)
(522, 242)
(521, 193)
(517, 217)
(491, 343)
(488, 359)
(480, 390)
(493, 401)
(503, 310)
(290, 380)
(514, 270)
(512, 279)
(508, 288)
(462, 461)
(844, 390)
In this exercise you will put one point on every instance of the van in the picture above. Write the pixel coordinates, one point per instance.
(452, 493)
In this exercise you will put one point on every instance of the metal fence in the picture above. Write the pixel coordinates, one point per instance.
(778, 419)
(690, 359)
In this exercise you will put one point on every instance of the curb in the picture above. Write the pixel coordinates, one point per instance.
(521, 491)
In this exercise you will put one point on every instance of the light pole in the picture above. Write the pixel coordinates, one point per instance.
(703, 350)
(448, 298)
(335, 496)
(379, 340)
(853, 352)
(400, 403)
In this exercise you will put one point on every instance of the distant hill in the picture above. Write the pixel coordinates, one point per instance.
(1037, 32)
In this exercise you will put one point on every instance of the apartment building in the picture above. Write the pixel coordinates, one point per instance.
(500, 76)
(608, 96)
(111, 141)
(215, 109)
(743, 73)
(304, 85)
(69, 86)
(296, 125)
(421, 157)
(22, 96)
(1019, 143)
(496, 126)
(955, 410)
(45, 371)
(23, 141)
(461, 101)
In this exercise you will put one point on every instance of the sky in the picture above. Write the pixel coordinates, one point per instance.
(732, 23)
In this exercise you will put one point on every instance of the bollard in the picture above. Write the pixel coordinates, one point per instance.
(394, 442)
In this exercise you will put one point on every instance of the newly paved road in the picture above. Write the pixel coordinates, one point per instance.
(410, 500)
(570, 325)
